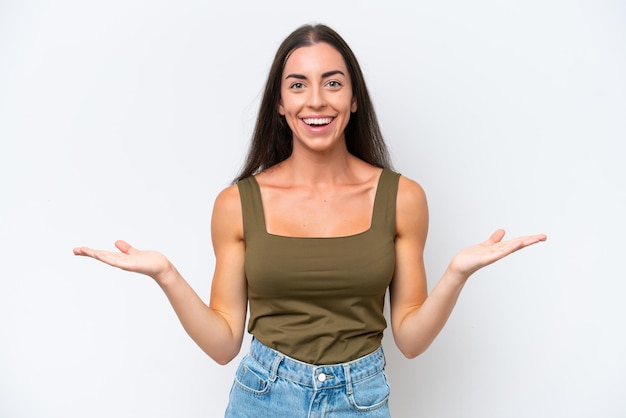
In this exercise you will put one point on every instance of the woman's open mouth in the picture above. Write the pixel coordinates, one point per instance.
(317, 122)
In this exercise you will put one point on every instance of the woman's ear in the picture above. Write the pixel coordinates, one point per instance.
(281, 109)
(353, 105)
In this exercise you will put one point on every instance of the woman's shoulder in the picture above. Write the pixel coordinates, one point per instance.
(411, 196)
(228, 199)
(227, 214)
(410, 187)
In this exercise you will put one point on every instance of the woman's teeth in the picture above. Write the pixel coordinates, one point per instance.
(317, 121)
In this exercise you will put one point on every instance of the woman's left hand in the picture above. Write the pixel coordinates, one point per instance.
(471, 259)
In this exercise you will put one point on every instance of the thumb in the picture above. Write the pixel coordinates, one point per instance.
(125, 247)
(496, 236)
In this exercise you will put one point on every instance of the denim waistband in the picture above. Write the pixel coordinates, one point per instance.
(317, 376)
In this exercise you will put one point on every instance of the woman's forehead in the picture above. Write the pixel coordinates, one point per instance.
(319, 57)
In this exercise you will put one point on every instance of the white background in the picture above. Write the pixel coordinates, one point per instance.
(124, 119)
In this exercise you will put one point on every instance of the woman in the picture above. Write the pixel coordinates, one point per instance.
(314, 231)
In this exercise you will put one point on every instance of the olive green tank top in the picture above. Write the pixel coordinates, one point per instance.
(319, 300)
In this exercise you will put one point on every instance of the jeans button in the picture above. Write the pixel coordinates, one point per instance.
(321, 377)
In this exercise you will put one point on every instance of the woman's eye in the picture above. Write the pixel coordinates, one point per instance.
(297, 86)
(334, 83)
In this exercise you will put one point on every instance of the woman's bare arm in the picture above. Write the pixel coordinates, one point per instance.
(217, 328)
(416, 317)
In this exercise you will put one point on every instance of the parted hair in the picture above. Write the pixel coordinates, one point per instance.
(272, 139)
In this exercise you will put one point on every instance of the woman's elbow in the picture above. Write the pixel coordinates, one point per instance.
(411, 349)
(223, 353)
(223, 358)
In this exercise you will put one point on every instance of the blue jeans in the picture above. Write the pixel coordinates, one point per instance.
(269, 384)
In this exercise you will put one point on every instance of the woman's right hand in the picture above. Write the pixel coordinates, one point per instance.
(150, 263)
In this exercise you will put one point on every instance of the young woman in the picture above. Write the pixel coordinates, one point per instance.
(313, 233)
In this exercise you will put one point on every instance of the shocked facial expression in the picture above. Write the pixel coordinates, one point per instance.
(316, 97)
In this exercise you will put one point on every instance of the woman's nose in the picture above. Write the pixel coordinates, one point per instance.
(316, 98)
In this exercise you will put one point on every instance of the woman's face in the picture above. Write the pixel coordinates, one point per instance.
(316, 97)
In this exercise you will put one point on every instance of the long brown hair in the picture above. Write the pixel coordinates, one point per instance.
(272, 138)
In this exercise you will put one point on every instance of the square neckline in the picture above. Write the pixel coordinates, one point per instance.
(355, 235)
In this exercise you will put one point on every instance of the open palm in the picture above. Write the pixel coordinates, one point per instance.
(150, 263)
(473, 258)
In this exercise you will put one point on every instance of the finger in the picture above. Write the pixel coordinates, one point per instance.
(496, 236)
(533, 239)
(112, 258)
(125, 247)
(85, 251)
(530, 239)
(79, 251)
(521, 242)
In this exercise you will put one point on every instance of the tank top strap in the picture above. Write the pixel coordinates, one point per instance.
(251, 207)
(384, 216)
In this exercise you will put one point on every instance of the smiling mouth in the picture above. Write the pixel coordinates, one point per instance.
(317, 121)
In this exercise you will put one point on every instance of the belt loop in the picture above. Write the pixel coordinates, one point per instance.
(346, 371)
(274, 370)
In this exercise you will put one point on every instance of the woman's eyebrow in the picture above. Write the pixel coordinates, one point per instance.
(331, 73)
(324, 75)
(298, 76)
